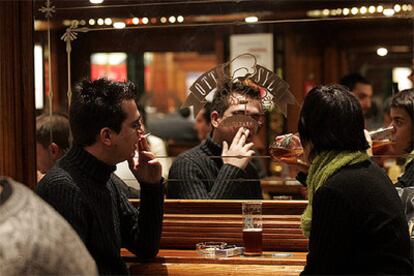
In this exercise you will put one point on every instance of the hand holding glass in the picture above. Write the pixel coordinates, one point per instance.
(286, 148)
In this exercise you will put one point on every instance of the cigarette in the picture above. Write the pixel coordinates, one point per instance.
(146, 135)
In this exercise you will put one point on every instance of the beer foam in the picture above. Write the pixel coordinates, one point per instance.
(253, 230)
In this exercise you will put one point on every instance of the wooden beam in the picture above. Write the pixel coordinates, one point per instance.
(17, 111)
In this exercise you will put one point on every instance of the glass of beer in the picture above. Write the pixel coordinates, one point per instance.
(286, 148)
(252, 227)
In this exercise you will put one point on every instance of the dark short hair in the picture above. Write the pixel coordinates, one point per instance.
(98, 104)
(405, 100)
(352, 79)
(53, 129)
(331, 119)
(240, 86)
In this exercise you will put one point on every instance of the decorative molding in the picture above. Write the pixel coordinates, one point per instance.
(70, 35)
(48, 9)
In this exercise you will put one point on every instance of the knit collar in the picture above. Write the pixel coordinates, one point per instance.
(89, 164)
(211, 148)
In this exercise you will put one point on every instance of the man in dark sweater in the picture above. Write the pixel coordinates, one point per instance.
(211, 170)
(106, 130)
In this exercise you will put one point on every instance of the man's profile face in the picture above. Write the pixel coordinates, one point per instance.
(241, 105)
(125, 142)
(363, 92)
(403, 130)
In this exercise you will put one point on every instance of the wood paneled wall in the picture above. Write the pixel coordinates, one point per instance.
(17, 112)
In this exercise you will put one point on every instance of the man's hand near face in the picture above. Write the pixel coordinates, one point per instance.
(147, 169)
(241, 151)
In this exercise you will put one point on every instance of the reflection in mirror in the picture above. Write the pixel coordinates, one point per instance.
(164, 47)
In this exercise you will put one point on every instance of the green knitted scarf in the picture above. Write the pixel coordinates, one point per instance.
(322, 167)
(409, 158)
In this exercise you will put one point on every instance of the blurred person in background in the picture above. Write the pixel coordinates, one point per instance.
(52, 140)
(203, 122)
(363, 91)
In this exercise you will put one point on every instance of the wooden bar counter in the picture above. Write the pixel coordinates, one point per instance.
(188, 222)
(188, 262)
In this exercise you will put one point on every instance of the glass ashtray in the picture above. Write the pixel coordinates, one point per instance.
(208, 249)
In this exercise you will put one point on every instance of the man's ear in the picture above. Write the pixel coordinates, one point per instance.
(54, 150)
(105, 136)
(215, 119)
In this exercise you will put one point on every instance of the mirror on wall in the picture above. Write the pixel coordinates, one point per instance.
(164, 46)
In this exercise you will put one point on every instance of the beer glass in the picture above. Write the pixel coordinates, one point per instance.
(381, 140)
(252, 227)
(286, 148)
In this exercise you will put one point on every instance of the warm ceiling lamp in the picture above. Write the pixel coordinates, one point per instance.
(251, 19)
(382, 52)
(96, 1)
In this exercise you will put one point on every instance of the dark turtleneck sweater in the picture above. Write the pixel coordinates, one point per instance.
(86, 193)
(195, 175)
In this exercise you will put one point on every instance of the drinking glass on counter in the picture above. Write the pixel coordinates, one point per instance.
(252, 227)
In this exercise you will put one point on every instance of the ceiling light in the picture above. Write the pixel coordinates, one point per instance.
(314, 13)
(404, 7)
(163, 20)
(363, 10)
(153, 20)
(66, 22)
(180, 19)
(251, 19)
(119, 25)
(171, 19)
(371, 9)
(325, 12)
(354, 10)
(145, 20)
(96, 1)
(409, 7)
(91, 21)
(388, 12)
(380, 8)
(345, 11)
(382, 52)
(108, 21)
(100, 21)
(135, 20)
(397, 8)
(82, 22)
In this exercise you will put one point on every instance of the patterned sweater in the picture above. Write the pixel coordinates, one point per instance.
(195, 175)
(86, 193)
(35, 239)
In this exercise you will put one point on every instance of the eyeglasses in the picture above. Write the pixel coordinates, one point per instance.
(258, 117)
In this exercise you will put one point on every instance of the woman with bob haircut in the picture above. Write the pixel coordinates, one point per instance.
(354, 218)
